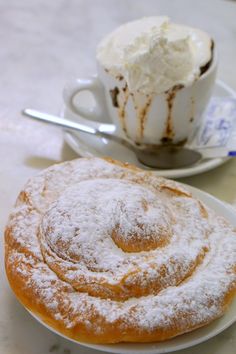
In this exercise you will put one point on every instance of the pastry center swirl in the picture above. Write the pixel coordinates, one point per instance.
(108, 237)
(129, 214)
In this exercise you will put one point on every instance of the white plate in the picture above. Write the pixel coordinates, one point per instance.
(86, 145)
(185, 340)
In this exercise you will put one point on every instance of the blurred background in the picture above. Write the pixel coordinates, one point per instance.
(46, 43)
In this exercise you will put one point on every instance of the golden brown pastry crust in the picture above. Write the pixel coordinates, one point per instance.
(104, 252)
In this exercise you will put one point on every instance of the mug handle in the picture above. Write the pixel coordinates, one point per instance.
(95, 114)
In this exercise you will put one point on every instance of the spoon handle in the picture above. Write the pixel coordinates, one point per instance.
(65, 123)
(68, 124)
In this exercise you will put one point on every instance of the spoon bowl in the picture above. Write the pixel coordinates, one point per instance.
(167, 157)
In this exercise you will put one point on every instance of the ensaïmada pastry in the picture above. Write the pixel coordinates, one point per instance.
(104, 252)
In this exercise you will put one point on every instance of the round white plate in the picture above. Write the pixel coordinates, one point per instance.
(87, 145)
(185, 340)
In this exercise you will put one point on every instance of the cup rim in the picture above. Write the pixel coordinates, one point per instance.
(200, 78)
(212, 66)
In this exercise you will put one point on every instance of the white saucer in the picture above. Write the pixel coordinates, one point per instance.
(87, 145)
(185, 340)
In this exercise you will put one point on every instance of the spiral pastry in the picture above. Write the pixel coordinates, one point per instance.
(105, 252)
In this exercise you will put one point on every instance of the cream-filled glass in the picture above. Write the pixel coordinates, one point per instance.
(154, 81)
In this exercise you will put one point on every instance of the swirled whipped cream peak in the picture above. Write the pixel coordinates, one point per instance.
(154, 55)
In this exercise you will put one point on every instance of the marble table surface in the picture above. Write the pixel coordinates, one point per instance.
(43, 45)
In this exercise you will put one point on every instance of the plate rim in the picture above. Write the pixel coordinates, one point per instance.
(225, 208)
(75, 144)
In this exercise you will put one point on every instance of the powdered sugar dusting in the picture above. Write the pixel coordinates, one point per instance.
(75, 224)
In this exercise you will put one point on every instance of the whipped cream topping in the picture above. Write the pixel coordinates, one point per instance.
(153, 54)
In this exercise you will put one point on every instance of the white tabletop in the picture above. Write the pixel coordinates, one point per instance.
(44, 44)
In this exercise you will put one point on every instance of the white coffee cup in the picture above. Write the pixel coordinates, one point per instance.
(171, 117)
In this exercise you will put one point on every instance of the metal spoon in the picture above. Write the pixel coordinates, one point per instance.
(163, 157)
